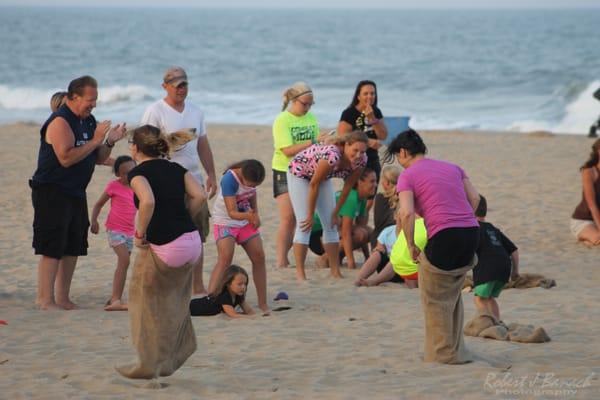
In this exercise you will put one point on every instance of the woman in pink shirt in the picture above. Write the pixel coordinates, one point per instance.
(119, 226)
(442, 193)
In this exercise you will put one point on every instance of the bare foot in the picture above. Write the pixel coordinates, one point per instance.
(266, 311)
(363, 282)
(67, 305)
(336, 274)
(116, 306)
(49, 306)
(301, 276)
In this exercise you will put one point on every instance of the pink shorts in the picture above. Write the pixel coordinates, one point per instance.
(187, 248)
(241, 235)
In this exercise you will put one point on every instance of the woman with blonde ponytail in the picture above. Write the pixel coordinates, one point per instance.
(294, 130)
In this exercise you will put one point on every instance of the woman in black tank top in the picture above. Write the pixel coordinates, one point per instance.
(585, 221)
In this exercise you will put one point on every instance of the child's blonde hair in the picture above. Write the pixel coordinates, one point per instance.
(293, 92)
(390, 173)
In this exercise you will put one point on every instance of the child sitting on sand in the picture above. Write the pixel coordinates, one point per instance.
(232, 293)
(236, 220)
(119, 226)
(401, 258)
(379, 261)
(385, 202)
(498, 259)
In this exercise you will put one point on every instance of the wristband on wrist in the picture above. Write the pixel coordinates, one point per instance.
(108, 144)
(138, 236)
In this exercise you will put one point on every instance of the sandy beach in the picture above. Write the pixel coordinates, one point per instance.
(338, 341)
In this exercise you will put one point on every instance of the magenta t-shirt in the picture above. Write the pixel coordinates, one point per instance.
(439, 194)
(121, 217)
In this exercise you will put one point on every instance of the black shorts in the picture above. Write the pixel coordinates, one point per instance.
(384, 260)
(60, 222)
(452, 248)
(280, 185)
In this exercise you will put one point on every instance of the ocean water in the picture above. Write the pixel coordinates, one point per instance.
(499, 70)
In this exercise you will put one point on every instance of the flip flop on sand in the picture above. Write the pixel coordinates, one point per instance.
(115, 306)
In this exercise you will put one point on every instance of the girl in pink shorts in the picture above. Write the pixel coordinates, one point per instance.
(236, 221)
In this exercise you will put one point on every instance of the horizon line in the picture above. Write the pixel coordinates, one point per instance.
(275, 7)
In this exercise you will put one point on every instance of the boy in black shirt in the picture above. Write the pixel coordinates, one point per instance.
(498, 260)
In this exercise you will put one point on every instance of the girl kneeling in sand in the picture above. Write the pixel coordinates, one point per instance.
(231, 294)
(585, 221)
(236, 220)
(310, 188)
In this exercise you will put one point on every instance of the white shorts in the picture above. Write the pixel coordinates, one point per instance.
(577, 225)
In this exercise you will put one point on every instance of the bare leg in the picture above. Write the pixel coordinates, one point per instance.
(285, 231)
(411, 283)
(333, 252)
(484, 305)
(66, 268)
(225, 249)
(386, 275)
(495, 308)
(369, 267)
(256, 253)
(300, 251)
(120, 276)
(198, 282)
(47, 269)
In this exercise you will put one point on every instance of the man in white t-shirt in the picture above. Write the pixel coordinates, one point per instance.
(173, 114)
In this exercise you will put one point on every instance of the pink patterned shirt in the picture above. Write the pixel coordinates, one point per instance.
(304, 164)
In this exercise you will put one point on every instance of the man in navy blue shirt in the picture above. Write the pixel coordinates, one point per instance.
(71, 143)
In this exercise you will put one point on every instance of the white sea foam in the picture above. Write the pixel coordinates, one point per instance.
(27, 98)
(578, 115)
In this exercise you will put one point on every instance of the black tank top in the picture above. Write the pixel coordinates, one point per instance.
(72, 180)
(582, 211)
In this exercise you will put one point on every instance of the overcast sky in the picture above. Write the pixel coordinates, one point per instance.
(444, 4)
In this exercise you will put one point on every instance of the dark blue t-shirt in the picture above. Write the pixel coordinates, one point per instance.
(494, 262)
(72, 180)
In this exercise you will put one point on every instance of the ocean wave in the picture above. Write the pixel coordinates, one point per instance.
(26, 98)
(576, 116)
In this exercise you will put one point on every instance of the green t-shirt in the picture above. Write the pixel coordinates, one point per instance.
(353, 207)
(400, 257)
(289, 129)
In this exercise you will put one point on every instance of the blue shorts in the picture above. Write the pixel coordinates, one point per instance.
(117, 238)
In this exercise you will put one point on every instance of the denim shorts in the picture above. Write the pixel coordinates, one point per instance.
(116, 238)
